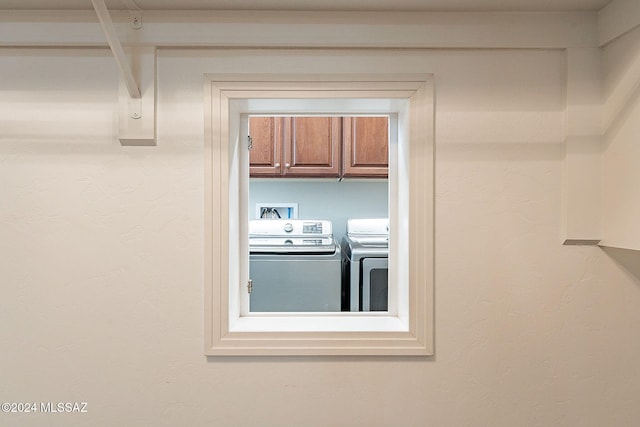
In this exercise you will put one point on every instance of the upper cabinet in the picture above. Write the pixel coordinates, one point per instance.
(266, 140)
(365, 146)
(312, 146)
(319, 146)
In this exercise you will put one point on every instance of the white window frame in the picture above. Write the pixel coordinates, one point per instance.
(406, 331)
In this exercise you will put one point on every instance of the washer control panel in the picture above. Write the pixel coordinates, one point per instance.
(289, 227)
(312, 228)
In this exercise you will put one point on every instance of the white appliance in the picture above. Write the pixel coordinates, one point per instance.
(294, 266)
(365, 265)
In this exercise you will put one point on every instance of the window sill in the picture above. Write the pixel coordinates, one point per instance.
(314, 322)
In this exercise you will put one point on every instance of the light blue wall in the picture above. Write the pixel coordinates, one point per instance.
(324, 199)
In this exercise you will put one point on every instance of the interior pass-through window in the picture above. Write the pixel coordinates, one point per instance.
(246, 208)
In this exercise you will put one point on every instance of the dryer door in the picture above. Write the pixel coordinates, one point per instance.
(375, 284)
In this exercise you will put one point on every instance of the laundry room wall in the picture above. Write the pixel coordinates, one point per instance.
(102, 258)
(329, 199)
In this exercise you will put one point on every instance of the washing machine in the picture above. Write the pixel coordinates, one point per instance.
(294, 266)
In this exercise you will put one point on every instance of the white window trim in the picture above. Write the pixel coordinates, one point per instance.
(410, 332)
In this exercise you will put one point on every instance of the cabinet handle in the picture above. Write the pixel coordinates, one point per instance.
(287, 165)
(277, 165)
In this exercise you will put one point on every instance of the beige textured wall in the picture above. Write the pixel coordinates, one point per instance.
(101, 259)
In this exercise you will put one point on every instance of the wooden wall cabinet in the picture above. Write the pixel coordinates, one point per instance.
(266, 139)
(312, 146)
(365, 146)
(295, 146)
(319, 146)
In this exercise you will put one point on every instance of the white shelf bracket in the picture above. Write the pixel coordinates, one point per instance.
(137, 93)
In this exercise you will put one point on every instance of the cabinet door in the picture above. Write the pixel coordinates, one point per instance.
(366, 146)
(265, 158)
(312, 146)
